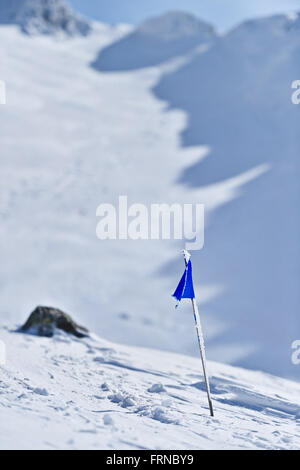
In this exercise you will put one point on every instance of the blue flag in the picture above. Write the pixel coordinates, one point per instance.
(185, 288)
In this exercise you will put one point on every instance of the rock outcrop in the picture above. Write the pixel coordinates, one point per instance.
(43, 17)
(43, 321)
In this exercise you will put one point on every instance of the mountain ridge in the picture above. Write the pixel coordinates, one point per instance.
(237, 96)
(43, 17)
(155, 41)
(247, 273)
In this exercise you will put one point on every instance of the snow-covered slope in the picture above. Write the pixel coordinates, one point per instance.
(155, 41)
(63, 393)
(73, 137)
(69, 142)
(43, 17)
(237, 95)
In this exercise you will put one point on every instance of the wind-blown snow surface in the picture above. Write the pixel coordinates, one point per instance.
(63, 393)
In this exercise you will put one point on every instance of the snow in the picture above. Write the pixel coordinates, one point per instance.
(71, 139)
(237, 95)
(156, 388)
(65, 393)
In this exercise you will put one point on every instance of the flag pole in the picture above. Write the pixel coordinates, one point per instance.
(185, 290)
(202, 353)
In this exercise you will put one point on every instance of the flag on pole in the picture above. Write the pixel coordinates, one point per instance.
(185, 290)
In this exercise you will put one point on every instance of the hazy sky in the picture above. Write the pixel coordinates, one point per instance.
(222, 13)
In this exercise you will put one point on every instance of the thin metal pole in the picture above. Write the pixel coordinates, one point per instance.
(202, 353)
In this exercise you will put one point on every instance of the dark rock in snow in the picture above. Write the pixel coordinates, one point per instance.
(44, 320)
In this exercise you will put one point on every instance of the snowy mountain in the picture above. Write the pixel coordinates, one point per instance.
(70, 141)
(155, 41)
(237, 96)
(65, 393)
(43, 17)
